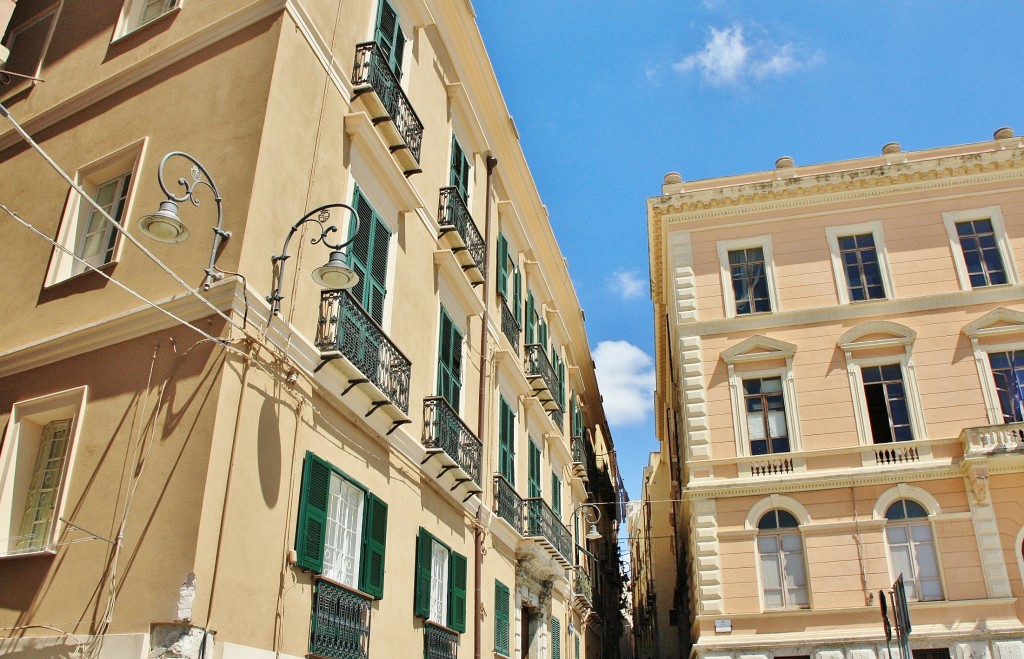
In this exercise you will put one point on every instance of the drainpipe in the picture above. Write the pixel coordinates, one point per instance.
(478, 529)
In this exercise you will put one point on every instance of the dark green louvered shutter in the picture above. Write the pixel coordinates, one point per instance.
(501, 618)
(358, 251)
(449, 366)
(561, 383)
(531, 321)
(506, 432)
(556, 494)
(457, 592)
(460, 170)
(309, 538)
(576, 639)
(542, 334)
(390, 37)
(368, 256)
(375, 532)
(517, 295)
(378, 270)
(533, 482)
(556, 638)
(502, 265)
(424, 556)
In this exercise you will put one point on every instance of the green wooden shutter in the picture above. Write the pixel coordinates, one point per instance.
(531, 321)
(390, 37)
(502, 265)
(377, 286)
(556, 494)
(457, 592)
(506, 446)
(375, 531)
(460, 170)
(517, 295)
(368, 256)
(577, 641)
(358, 252)
(542, 334)
(501, 618)
(534, 471)
(449, 361)
(556, 638)
(309, 538)
(421, 592)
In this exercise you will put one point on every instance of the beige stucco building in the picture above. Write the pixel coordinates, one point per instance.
(394, 469)
(840, 352)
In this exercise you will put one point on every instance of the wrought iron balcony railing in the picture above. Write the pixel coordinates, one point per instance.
(542, 376)
(442, 428)
(541, 522)
(577, 449)
(509, 325)
(345, 329)
(439, 642)
(371, 70)
(508, 503)
(579, 467)
(341, 622)
(581, 585)
(453, 215)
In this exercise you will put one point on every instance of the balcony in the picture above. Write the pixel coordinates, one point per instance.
(401, 128)
(509, 325)
(993, 440)
(544, 525)
(459, 233)
(341, 622)
(439, 642)
(541, 375)
(507, 503)
(371, 359)
(451, 442)
(579, 467)
(581, 589)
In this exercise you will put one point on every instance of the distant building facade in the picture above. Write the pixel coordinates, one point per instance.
(840, 353)
(210, 455)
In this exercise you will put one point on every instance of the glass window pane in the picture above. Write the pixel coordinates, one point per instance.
(755, 426)
(777, 423)
(771, 385)
(770, 571)
(768, 544)
(791, 542)
(896, 534)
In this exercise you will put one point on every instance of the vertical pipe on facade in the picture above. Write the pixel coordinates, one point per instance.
(478, 531)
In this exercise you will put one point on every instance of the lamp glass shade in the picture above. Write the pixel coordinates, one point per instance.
(335, 274)
(593, 533)
(164, 225)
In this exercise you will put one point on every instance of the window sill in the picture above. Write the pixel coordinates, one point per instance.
(29, 554)
(78, 276)
(139, 28)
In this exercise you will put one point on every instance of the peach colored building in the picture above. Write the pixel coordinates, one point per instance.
(203, 453)
(840, 354)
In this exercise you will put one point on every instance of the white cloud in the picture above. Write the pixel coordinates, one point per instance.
(626, 284)
(625, 374)
(727, 59)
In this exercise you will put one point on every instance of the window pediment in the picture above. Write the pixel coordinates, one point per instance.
(758, 348)
(876, 334)
(999, 321)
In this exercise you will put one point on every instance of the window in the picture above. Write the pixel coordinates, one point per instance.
(506, 441)
(28, 39)
(912, 550)
(89, 238)
(886, 398)
(440, 583)
(137, 13)
(35, 467)
(368, 256)
(390, 38)
(342, 529)
(748, 278)
(765, 409)
(556, 494)
(859, 262)
(460, 170)
(502, 627)
(781, 554)
(532, 319)
(1008, 376)
(980, 248)
(556, 638)
(533, 471)
(449, 362)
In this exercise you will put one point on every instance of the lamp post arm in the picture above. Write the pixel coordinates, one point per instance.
(320, 216)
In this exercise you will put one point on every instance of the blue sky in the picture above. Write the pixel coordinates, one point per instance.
(609, 96)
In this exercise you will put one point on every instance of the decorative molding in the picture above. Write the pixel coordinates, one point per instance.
(986, 530)
(707, 563)
(758, 348)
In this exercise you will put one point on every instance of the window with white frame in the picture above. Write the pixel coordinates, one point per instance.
(35, 467)
(28, 40)
(137, 13)
(886, 397)
(440, 589)
(997, 340)
(860, 262)
(87, 236)
(780, 551)
(1008, 377)
(748, 276)
(980, 248)
(908, 535)
(343, 544)
(764, 406)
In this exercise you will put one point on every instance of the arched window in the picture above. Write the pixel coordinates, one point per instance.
(781, 552)
(912, 550)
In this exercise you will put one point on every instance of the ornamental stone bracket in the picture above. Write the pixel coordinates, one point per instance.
(536, 575)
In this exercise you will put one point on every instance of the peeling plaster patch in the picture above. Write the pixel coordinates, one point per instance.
(172, 641)
(186, 595)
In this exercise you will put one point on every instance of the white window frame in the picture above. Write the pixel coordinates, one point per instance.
(756, 349)
(995, 215)
(725, 271)
(343, 537)
(1005, 326)
(931, 506)
(127, 160)
(53, 14)
(439, 570)
(130, 19)
(18, 457)
(797, 510)
(780, 552)
(833, 234)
